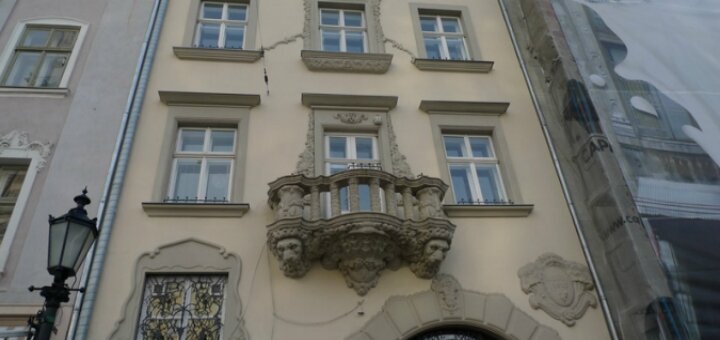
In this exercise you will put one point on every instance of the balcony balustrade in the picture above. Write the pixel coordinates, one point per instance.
(360, 222)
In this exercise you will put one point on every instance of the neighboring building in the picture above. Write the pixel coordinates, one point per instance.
(629, 92)
(65, 73)
(424, 187)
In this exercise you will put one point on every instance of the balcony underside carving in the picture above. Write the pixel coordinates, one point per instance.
(405, 225)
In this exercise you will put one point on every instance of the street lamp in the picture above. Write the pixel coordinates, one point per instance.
(71, 236)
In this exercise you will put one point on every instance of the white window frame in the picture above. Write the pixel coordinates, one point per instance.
(203, 156)
(444, 51)
(342, 28)
(472, 161)
(351, 152)
(186, 282)
(8, 53)
(223, 22)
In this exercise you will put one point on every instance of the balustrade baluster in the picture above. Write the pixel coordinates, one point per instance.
(390, 201)
(354, 195)
(334, 199)
(375, 194)
(314, 202)
(408, 203)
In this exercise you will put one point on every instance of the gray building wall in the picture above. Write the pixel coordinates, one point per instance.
(81, 126)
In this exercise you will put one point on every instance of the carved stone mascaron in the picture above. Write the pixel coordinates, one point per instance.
(406, 226)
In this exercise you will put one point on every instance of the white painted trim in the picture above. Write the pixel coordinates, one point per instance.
(19, 148)
(7, 52)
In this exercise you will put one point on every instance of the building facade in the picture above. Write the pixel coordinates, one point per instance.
(350, 169)
(65, 72)
(628, 96)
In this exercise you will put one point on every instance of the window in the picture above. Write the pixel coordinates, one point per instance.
(182, 307)
(221, 25)
(473, 168)
(344, 152)
(11, 180)
(443, 37)
(202, 165)
(343, 30)
(40, 56)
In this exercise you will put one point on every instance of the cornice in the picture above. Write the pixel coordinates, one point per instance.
(463, 107)
(182, 98)
(347, 100)
(346, 62)
(473, 66)
(217, 54)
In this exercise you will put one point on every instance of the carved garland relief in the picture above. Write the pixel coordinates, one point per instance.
(561, 288)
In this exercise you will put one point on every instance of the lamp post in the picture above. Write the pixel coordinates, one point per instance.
(71, 236)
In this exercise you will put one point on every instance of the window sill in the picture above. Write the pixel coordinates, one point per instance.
(160, 209)
(475, 66)
(488, 210)
(217, 54)
(34, 92)
(346, 62)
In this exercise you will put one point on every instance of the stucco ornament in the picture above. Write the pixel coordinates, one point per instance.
(20, 140)
(448, 290)
(291, 202)
(350, 117)
(306, 161)
(561, 288)
(399, 164)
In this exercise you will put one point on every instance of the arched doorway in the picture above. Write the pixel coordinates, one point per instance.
(454, 333)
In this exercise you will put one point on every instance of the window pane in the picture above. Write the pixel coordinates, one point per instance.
(432, 48)
(487, 176)
(364, 193)
(237, 13)
(337, 167)
(364, 148)
(353, 19)
(481, 147)
(456, 48)
(234, 37)
(36, 37)
(11, 181)
(63, 39)
(354, 42)
(428, 24)
(192, 140)
(222, 141)
(22, 70)
(212, 11)
(455, 146)
(209, 35)
(51, 70)
(218, 180)
(451, 25)
(344, 202)
(338, 147)
(329, 17)
(460, 177)
(331, 41)
(186, 178)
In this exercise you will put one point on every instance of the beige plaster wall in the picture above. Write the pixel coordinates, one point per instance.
(486, 252)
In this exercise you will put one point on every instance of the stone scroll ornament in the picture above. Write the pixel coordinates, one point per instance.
(561, 288)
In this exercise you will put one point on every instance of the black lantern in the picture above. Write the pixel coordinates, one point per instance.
(71, 236)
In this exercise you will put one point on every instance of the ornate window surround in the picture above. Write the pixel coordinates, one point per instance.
(16, 148)
(9, 50)
(374, 61)
(350, 113)
(248, 55)
(479, 118)
(202, 109)
(447, 303)
(187, 257)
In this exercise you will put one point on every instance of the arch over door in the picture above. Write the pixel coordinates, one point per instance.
(447, 304)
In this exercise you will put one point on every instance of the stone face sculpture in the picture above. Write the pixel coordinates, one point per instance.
(560, 288)
(432, 257)
(290, 254)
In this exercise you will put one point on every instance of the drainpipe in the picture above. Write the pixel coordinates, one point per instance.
(107, 209)
(561, 176)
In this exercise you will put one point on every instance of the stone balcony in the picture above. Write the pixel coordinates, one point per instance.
(402, 224)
